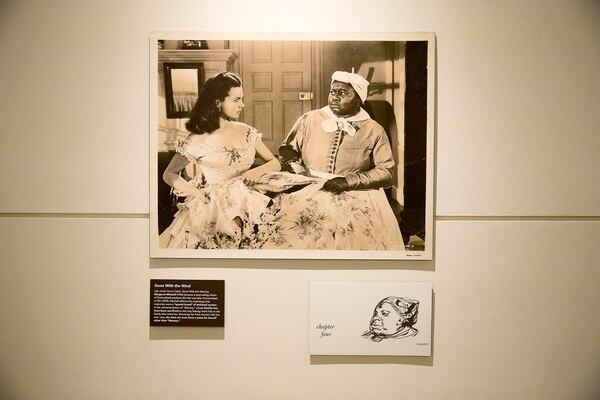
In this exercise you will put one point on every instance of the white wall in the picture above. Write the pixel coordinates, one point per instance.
(516, 263)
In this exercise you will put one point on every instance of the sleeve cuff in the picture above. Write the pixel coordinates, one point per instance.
(352, 179)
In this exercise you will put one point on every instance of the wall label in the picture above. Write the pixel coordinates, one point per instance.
(187, 302)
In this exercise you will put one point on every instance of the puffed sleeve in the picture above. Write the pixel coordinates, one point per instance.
(191, 151)
(253, 135)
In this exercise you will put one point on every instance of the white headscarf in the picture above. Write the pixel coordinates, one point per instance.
(358, 83)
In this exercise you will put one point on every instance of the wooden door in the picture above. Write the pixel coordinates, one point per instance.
(276, 75)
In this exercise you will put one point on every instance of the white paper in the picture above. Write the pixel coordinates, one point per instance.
(370, 318)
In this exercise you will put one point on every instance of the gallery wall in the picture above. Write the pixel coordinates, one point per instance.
(517, 199)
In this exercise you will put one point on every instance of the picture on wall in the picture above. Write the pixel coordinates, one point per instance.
(183, 82)
(370, 318)
(296, 145)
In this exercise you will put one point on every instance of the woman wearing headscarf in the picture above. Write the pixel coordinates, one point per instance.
(341, 139)
(351, 154)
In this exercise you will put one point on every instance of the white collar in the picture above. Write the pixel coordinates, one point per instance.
(362, 115)
(335, 123)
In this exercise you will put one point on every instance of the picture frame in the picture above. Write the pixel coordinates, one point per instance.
(403, 104)
(370, 318)
(183, 81)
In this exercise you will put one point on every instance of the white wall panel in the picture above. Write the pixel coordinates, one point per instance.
(515, 312)
(515, 316)
(518, 118)
(518, 90)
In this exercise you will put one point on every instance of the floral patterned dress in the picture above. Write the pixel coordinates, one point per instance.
(227, 214)
(312, 218)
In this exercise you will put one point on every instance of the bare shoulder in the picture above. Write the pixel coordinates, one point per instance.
(244, 131)
(240, 126)
(194, 138)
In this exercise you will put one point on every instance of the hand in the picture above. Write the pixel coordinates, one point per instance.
(287, 167)
(336, 185)
(290, 160)
(287, 153)
(251, 177)
(189, 190)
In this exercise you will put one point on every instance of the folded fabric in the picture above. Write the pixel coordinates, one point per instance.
(281, 181)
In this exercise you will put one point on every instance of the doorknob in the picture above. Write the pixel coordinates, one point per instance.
(305, 96)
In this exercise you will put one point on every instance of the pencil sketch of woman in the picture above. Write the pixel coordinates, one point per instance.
(393, 318)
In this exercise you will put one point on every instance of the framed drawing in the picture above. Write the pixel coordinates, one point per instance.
(370, 318)
(300, 145)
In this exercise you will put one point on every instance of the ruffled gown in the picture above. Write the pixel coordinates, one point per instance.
(312, 218)
(226, 214)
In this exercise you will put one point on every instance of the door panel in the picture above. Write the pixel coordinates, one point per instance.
(291, 111)
(274, 74)
(264, 123)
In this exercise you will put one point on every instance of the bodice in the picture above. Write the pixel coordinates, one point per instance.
(220, 164)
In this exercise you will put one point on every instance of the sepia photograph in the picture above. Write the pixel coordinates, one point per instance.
(292, 145)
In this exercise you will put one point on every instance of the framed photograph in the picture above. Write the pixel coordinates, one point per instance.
(183, 81)
(370, 318)
(299, 145)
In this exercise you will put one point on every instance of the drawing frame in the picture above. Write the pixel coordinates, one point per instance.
(370, 318)
(156, 129)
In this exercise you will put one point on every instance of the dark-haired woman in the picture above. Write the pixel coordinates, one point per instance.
(221, 210)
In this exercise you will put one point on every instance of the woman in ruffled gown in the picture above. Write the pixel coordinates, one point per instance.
(221, 210)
